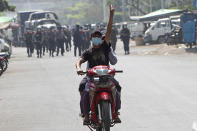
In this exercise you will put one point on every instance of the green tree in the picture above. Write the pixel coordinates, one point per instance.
(185, 4)
(85, 12)
(91, 11)
(4, 6)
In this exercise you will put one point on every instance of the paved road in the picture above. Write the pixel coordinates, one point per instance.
(159, 94)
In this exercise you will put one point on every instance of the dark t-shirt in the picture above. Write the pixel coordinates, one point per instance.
(97, 56)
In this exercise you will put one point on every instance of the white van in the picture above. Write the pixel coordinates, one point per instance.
(158, 31)
(176, 20)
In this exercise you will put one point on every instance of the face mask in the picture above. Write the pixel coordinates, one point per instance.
(96, 41)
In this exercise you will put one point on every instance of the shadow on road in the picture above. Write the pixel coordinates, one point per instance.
(191, 50)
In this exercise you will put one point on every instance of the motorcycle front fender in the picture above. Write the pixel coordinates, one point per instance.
(104, 96)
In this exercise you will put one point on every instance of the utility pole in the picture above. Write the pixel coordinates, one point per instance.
(129, 10)
(138, 2)
(151, 5)
(104, 11)
(162, 4)
(123, 10)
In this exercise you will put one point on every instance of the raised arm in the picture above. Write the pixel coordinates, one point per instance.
(109, 27)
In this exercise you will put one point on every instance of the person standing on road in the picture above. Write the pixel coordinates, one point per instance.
(45, 41)
(114, 33)
(87, 35)
(29, 42)
(83, 39)
(51, 42)
(77, 39)
(38, 42)
(67, 34)
(15, 32)
(60, 39)
(125, 37)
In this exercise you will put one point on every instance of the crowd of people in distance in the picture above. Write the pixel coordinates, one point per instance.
(55, 41)
(48, 41)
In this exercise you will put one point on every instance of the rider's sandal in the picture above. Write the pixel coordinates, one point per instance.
(117, 120)
(86, 121)
(81, 115)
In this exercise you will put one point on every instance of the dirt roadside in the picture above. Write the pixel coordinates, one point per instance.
(156, 49)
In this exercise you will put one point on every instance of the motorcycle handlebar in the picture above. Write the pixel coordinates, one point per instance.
(119, 71)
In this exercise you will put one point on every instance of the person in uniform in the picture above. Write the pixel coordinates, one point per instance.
(125, 37)
(83, 39)
(45, 41)
(38, 42)
(114, 33)
(77, 38)
(29, 42)
(51, 42)
(68, 34)
(87, 35)
(60, 39)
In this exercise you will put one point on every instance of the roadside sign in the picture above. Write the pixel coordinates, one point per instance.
(195, 4)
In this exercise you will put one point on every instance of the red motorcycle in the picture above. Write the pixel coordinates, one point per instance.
(102, 98)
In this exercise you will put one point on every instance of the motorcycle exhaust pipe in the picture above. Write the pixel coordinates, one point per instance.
(99, 113)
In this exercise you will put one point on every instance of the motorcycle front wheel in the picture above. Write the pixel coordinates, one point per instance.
(105, 116)
(5, 65)
(1, 71)
(99, 129)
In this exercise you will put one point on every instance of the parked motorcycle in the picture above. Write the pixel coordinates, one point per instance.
(175, 37)
(102, 98)
(1, 68)
(3, 62)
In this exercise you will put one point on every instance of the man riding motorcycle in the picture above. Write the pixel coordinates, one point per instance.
(96, 55)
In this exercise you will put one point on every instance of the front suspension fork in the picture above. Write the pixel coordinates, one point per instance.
(99, 113)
